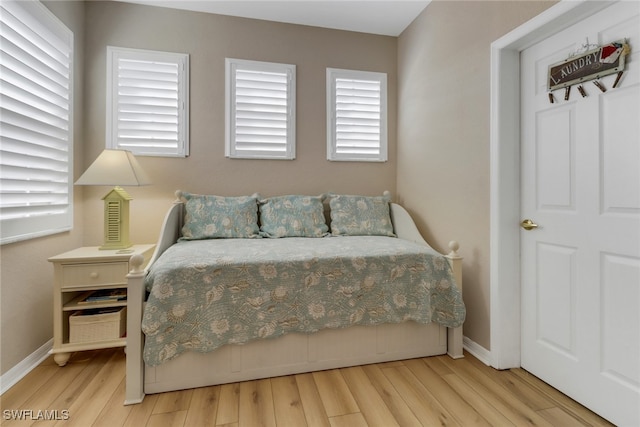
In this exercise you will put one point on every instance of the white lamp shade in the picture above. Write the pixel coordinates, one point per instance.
(114, 167)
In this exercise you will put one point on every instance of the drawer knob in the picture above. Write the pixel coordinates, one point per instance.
(94, 275)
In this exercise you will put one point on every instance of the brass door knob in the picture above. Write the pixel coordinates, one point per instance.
(527, 224)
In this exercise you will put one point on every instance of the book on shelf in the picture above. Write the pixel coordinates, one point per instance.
(105, 295)
(94, 311)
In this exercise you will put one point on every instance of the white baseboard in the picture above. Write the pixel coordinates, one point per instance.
(479, 352)
(15, 374)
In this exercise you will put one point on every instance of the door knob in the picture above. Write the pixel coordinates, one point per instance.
(527, 224)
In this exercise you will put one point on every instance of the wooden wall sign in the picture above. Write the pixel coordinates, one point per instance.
(590, 65)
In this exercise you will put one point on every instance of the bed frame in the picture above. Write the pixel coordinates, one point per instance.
(290, 354)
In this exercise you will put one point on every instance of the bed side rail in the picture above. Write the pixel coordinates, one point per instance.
(169, 234)
(170, 231)
(405, 228)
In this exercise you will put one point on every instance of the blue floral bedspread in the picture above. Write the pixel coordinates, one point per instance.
(207, 293)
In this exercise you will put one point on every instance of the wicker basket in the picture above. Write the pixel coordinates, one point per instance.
(92, 325)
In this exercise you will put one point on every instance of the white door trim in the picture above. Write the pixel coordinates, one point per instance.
(505, 171)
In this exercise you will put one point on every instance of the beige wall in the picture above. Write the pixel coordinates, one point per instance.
(26, 316)
(208, 39)
(439, 166)
(443, 132)
(26, 276)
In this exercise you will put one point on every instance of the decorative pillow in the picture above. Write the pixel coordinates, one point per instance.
(217, 217)
(293, 216)
(360, 216)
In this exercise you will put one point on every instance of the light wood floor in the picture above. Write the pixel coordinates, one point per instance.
(418, 392)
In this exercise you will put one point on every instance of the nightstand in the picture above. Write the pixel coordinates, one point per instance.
(84, 317)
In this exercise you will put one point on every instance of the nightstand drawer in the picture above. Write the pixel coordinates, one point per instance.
(82, 275)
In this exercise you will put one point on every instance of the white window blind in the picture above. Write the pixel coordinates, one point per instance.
(36, 142)
(356, 115)
(260, 110)
(147, 102)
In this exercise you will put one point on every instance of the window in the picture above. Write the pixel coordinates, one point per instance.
(36, 129)
(147, 102)
(260, 110)
(356, 115)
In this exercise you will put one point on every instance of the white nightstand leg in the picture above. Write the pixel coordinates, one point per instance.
(61, 358)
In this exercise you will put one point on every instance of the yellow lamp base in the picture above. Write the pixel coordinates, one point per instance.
(116, 220)
(114, 247)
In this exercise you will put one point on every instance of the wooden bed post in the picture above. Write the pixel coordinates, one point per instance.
(135, 365)
(454, 335)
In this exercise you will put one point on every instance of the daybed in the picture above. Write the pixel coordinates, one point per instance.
(246, 288)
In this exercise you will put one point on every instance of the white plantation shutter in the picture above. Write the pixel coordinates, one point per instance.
(260, 100)
(356, 115)
(36, 82)
(147, 102)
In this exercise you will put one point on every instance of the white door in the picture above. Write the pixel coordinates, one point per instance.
(580, 183)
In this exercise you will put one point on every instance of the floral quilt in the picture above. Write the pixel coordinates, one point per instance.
(207, 293)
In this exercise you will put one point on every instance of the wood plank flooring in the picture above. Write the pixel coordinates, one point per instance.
(432, 391)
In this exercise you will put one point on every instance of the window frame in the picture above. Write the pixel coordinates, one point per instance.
(35, 218)
(333, 154)
(231, 149)
(181, 60)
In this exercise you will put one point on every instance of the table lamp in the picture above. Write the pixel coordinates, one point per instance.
(115, 167)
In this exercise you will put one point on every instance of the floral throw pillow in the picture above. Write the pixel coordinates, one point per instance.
(360, 216)
(217, 217)
(293, 216)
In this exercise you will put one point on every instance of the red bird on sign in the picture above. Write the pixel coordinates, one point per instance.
(610, 53)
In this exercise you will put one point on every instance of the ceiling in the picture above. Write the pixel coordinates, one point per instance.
(385, 17)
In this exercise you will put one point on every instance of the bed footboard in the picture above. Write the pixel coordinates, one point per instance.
(169, 234)
(405, 228)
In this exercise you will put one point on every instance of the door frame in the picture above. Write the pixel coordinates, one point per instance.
(505, 171)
